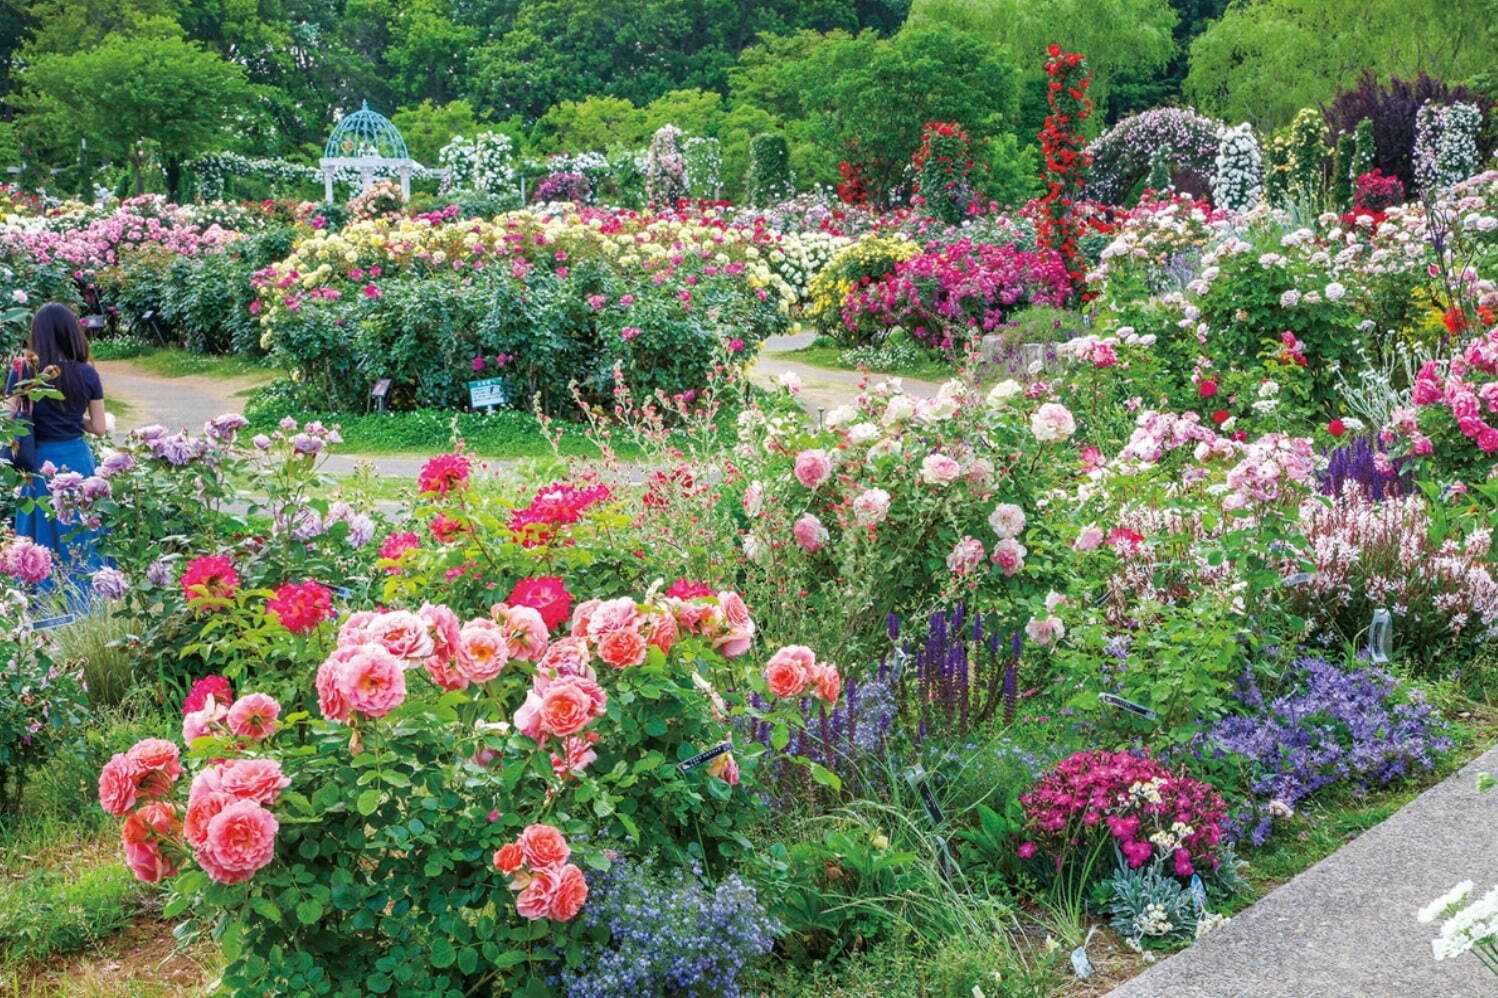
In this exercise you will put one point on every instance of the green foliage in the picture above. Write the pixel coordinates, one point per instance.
(46, 914)
(43, 701)
(427, 127)
(132, 90)
(769, 177)
(1264, 60)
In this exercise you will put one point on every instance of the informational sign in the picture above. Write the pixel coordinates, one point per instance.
(687, 765)
(1137, 709)
(51, 622)
(487, 394)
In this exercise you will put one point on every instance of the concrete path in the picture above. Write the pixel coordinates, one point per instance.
(821, 388)
(1346, 927)
(190, 401)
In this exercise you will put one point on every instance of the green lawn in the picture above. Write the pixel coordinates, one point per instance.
(825, 353)
(174, 362)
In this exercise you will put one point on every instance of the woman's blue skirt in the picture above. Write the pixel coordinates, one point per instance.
(75, 550)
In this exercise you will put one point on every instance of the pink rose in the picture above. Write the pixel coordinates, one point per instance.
(483, 650)
(1045, 631)
(810, 533)
(613, 615)
(525, 629)
(117, 785)
(1009, 555)
(253, 779)
(568, 895)
(200, 723)
(813, 467)
(1089, 539)
(330, 696)
(254, 716)
(534, 900)
(355, 628)
(403, 634)
(939, 469)
(622, 648)
(1052, 422)
(543, 845)
(373, 681)
(870, 507)
(201, 811)
(966, 555)
(566, 657)
(240, 840)
(828, 682)
(789, 670)
(567, 706)
(528, 717)
(1007, 520)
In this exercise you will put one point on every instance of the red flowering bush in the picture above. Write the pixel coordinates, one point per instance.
(301, 607)
(1374, 192)
(943, 168)
(1064, 150)
(1146, 810)
(951, 294)
(850, 186)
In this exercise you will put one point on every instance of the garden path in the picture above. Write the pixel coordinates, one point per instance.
(191, 400)
(821, 387)
(1345, 928)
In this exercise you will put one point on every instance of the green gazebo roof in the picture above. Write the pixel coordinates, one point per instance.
(365, 134)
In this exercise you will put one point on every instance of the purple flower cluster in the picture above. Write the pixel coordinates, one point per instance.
(1359, 463)
(564, 186)
(668, 933)
(1122, 154)
(1335, 725)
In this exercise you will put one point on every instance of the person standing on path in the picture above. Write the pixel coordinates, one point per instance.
(59, 350)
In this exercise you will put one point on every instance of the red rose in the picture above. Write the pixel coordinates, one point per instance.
(1220, 416)
(1336, 428)
(1208, 389)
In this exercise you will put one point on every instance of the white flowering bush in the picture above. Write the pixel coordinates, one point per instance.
(704, 164)
(1472, 926)
(1238, 174)
(1445, 145)
(1121, 155)
(482, 163)
(799, 256)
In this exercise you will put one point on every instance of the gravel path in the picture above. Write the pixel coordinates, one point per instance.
(1346, 927)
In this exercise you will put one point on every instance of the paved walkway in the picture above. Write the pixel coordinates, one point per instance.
(190, 401)
(1346, 927)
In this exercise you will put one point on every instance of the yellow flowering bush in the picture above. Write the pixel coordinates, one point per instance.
(866, 260)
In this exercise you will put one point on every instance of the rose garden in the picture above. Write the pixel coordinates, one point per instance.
(1112, 543)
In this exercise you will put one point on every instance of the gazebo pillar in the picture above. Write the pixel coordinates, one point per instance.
(327, 184)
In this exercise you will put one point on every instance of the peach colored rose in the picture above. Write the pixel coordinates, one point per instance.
(201, 722)
(566, 657)
(694, 614)
(566, 708)
(581, 615)
(443, 626)
(663, 631)
(543, 845)
(734, 611)
(534, 901)
(208, 780)
(613, 615)
(482, 650)
(254, 716)
(824, 676)
(403, 634)
(372, 680)
(149, 864)
(240, 840)
(156, 820)
(444, 674)
(734, 642)
(158, 766)
(200, 811)
(577, 755)
(117, 790)
(354, 630)
(569, 894)
(789, 670)
(622, 648)
(528, 717)
(508, 858)
(253, 779)
(330, 697)
(525, 631)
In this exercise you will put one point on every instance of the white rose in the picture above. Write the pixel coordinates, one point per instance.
(1002, 392)
(900, 408)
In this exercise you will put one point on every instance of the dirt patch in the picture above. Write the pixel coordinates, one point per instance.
(141, 959)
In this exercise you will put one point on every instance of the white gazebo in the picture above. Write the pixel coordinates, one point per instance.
(366, 141)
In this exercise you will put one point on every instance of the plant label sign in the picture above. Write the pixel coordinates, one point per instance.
(487, 394)
(1137, 709)
(702, 758)
(48, 623)
(1199, 893)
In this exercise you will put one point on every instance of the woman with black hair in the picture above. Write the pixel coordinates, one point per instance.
(58, 351)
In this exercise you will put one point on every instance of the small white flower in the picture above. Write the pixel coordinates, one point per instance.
(1452, 897)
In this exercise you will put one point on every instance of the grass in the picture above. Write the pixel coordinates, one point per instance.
(826, 353)
(174, 362)
(502, 434)
(46, 913)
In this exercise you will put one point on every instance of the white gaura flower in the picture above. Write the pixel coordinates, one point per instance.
(1454, 896)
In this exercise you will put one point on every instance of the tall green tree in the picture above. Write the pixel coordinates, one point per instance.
(1266, 59)
(1124, 40)
(134, 91)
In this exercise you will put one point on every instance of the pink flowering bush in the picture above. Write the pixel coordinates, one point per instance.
(462, 775)
(950, 295)
(1134, 803)
(1453, 427)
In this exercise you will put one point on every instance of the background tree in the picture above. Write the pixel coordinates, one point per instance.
(1266, 59)
(132, 90)
(428, 127)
